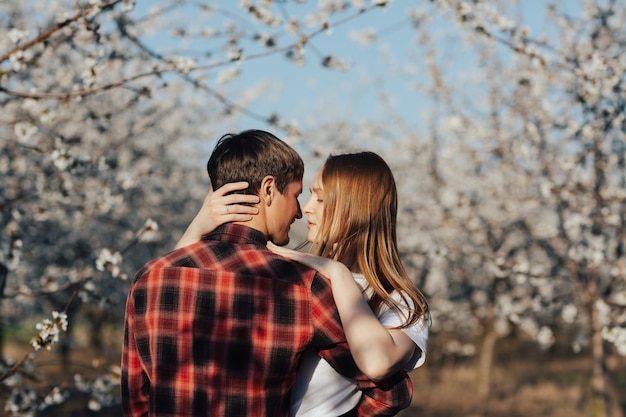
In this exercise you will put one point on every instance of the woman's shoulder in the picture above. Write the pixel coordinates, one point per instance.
(361, 281)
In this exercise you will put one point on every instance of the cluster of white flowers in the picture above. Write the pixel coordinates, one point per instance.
(20, 58)
(265, 15)
(149, 231)
(297, 56)
(185, 65)
(359, 4)
(107, 200)
(229, 74)
(126, 180)
(110, 261)
(95, 6)
(49, 331)
(24, 131)
(545, 337)
(569, 313)
(62, 159)
(334, 63)
(90, 74)
(22, 402)
(617, 336)
(328, 7)
(56, 396)
(364, 37)
(103, 389)
(293, 27)
(128, 5)
(235, 54)
(17, 35)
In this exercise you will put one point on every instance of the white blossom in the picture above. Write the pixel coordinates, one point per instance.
(312, 20)
(126, 180)
(604, 311)
(334, 63)
(128, 5)
(293, 27)
(617, 336)
(328, 7)
(94, 9)
(263, 14)
(62, 159)
(545, 337)
(17, 35)
(22, 402)
(56, 396)
(149, 231)
(505, 23)
(17, 59)
(235, 55)
(49, 331)
(229, 74)
(25, 131)
(364, 37)
(110, 261)
(569, 313)
(245, 4)
(185, 65)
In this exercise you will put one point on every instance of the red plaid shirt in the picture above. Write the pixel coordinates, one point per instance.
(217, 329)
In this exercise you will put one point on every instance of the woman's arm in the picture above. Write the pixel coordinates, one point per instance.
(220, 207)
(378, 352)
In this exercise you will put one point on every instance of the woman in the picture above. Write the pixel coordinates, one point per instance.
(351, 224)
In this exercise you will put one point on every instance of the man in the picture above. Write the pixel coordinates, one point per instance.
(217, 328)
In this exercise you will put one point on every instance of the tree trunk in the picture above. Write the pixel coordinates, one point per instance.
(599, 406)
(485, 363)
(3, 279)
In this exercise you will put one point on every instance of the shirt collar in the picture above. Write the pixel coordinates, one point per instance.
(237, 233)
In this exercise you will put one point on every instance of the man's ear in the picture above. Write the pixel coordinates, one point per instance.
(267, 190)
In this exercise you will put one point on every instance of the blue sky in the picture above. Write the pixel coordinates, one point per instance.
(312, 94)
(306, 93)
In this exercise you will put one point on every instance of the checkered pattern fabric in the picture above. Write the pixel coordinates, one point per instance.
(217, 329)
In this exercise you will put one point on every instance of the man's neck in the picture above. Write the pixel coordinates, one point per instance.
(255, 224)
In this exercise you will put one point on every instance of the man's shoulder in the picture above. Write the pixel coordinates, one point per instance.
(182, 257)
(245, 259)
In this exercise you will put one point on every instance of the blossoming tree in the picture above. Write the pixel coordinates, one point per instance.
(512, 189)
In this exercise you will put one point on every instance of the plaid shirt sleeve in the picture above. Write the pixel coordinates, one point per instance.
(385, 398)
(135, 385)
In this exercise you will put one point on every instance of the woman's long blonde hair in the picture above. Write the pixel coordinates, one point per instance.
(359, 228)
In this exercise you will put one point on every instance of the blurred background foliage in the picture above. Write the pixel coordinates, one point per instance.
(504, 125)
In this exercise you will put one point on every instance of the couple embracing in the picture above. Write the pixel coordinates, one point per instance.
(231, 323)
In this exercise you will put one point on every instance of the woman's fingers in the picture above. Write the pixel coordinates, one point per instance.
(287, 253)
(240, 199)
(236, 209)
(233, 205)
(323, 265)
(230, 187)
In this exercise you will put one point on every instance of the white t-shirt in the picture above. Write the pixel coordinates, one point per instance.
(320, 391)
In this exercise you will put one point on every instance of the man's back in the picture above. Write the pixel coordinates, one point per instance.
(219, 327)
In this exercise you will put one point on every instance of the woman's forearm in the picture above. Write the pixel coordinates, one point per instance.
(377, 351)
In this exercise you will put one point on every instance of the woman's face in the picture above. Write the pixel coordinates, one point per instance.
(314, 208)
